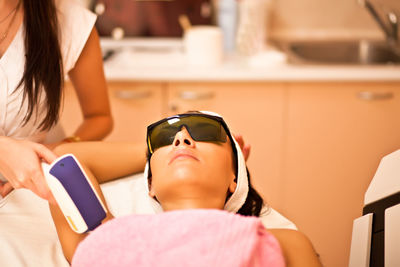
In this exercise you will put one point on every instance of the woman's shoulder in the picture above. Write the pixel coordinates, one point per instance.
(296, 247)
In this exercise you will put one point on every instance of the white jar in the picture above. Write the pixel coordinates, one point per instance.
(203, 46)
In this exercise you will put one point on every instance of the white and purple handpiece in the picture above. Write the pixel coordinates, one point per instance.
(74, 193)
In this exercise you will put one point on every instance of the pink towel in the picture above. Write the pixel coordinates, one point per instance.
(180, 238)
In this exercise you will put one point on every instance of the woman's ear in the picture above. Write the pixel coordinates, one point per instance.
(232, 186)
(149, 186)
(152, 194)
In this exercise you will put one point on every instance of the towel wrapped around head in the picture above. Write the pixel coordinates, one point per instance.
(180, 238)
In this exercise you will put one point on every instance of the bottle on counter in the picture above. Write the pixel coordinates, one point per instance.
(227, 16)
(252, 26)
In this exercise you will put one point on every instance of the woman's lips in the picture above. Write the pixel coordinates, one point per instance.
(182, 154)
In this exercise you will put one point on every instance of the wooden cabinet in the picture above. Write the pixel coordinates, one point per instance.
(315, 146)
(134, 106)
(336, 135)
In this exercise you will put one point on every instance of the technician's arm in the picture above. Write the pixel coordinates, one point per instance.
(89, 82)
(107, 160)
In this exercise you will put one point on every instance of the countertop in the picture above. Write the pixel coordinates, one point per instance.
(164, 60)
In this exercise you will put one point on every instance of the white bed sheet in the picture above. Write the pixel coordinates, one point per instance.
(28, 237)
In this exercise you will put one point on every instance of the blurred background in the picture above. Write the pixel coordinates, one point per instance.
(312, 85)
(287, 18)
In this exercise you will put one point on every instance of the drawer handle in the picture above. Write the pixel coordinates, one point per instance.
(132, 94)
(371, 96)
(193, 95)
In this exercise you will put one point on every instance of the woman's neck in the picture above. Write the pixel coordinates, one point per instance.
(192, 203)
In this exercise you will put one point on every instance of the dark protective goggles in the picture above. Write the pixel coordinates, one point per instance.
(201, 127)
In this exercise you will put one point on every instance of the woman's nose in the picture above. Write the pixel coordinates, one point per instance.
(183, 138)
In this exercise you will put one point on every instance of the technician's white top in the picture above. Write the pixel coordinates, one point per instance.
(76, 23)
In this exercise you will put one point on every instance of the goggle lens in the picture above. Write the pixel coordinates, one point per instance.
(203, 129)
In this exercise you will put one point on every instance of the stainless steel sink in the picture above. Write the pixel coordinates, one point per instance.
(341, 52)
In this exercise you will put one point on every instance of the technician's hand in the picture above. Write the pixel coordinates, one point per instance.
(5, 188)
(20, 164)
(245, 147)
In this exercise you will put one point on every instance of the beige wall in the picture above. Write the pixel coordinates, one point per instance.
(296, 18)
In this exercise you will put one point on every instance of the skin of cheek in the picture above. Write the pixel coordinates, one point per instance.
(210, 176)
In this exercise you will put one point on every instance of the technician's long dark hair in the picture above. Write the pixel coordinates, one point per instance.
(43, 60)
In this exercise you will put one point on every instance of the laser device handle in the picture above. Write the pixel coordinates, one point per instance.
(74, 193)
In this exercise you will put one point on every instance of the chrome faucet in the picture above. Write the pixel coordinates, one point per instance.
(391, 31)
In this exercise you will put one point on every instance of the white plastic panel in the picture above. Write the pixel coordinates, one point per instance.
(386, 180)
(392, 236)
(361, 241)
(64, 201)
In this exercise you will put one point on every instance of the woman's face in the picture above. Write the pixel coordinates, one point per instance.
(190, 174)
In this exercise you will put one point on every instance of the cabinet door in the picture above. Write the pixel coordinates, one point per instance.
(336, 135)
(254, 110)
(133, 106)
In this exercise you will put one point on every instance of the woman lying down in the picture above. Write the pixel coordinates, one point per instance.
(197, 174)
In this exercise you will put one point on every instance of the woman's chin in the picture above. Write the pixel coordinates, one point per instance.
(186, 172)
